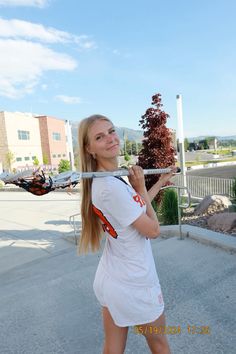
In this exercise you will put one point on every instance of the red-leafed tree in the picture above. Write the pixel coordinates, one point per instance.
(157, 150)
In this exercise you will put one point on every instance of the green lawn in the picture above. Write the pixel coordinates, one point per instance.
(194, 163)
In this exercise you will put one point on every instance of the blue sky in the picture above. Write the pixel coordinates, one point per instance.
(71, 59)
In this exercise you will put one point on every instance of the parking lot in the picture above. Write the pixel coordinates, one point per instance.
(47, 301)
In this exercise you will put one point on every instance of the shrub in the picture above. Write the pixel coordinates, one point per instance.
(45, 159)
(64, 165)
(36, 161)
(169, 207)
(127, 157)
(234, 190)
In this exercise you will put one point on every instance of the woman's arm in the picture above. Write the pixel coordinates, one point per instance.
(154, 190)
(147, 224)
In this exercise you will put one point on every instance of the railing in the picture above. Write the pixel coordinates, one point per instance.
(181, 206)
(76, 225)
(201, 186)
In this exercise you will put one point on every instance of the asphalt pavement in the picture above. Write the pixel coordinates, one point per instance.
(46, 296)
(218, 172)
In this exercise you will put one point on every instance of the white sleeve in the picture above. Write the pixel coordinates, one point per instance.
(119, 202)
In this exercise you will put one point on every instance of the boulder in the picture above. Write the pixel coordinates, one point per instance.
(224, 222)
(212, 204)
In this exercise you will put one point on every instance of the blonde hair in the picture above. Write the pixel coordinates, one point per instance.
(91, 233)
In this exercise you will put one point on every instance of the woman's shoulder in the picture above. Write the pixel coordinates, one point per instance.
(105, 182)
(108, 185)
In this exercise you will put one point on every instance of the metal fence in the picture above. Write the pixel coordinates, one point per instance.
(201, 186)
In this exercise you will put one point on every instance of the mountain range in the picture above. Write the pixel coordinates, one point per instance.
(137, 135)
(127, 133)
(221, 138)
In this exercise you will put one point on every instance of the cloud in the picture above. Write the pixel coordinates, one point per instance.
(26, 54)
(23, 29)
(23, 63)
(36, 3)
(68, 99)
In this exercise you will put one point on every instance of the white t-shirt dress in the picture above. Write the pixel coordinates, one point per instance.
(126, 281)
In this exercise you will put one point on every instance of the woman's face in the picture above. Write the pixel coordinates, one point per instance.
(103, 140)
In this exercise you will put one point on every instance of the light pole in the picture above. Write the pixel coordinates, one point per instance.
(181, 138)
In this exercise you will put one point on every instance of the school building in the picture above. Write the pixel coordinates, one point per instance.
(25, 137)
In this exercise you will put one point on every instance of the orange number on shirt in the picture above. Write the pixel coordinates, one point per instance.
(139, 200)
(106, 225)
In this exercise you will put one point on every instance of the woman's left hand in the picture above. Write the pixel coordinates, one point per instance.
(165, 177)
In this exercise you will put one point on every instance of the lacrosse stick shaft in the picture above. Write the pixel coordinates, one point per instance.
(123, 172)
(66, 178)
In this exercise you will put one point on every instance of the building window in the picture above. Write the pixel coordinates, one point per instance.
(56, 136)
(58, 155)
(33, 157)
(54, 155)
(23, 135)
(27, 158)
(18, 159)
(64, 155)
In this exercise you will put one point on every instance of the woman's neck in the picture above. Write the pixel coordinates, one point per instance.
(108, 165)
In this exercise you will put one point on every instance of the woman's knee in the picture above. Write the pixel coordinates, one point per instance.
(110, 349)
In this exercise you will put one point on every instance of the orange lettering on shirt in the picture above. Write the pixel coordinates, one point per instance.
(139, 200)
(105, 223)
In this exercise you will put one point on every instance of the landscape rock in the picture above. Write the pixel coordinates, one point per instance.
(224, 222)
(212, 204)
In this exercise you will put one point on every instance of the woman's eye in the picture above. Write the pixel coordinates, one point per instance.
(98, 137)
(112, 131)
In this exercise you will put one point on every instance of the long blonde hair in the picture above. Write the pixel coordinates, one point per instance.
(91, 233)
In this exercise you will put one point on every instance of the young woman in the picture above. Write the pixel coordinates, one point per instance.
(126, 282)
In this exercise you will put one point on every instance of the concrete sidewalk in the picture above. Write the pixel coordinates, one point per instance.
(47, 301)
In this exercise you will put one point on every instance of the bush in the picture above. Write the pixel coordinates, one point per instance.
(234, 190)
(36, 161)
(64, 165)
(169, 207)
(127, 157)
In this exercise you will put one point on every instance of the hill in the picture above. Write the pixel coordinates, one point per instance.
(131, 134)
(220, 138)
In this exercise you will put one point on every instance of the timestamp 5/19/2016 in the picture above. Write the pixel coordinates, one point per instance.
(190, 329)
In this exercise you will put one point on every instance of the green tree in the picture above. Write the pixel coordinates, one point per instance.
(129, 146)
(186, 144)
(45, 159)
(203, 144)
(64, 165)
(127, 157)
(36, 161)
(9, 158)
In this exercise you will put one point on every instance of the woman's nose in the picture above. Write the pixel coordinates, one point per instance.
(109, 138)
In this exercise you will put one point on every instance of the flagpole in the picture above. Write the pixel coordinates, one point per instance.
(181, 138)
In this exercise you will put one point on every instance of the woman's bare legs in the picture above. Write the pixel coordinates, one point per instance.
(115, 336)
(154, 333)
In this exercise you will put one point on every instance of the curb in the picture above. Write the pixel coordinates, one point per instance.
(18, 189)
(209, 237)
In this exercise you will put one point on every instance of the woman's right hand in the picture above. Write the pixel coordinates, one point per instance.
(136, 179)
